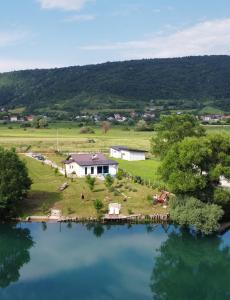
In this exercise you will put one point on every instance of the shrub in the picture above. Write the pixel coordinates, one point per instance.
(130, 212)
(84, 130)
(70, 211)
(116, 193)
(190, 211)
(138, 179)
(120, 174)
(98, 205)
(109, 180)
(150, 198)
(45, 208)
(91, 182)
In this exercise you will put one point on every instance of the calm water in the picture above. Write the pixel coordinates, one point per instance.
(87, 262)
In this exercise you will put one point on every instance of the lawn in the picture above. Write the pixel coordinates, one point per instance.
(146, 169)
(66, 137)
(45, 195)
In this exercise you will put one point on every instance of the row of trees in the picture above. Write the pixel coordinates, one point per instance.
(192, 165)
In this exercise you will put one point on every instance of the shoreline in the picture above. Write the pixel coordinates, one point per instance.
(139, 218)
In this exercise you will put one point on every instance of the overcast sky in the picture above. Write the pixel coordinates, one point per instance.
(54, 33)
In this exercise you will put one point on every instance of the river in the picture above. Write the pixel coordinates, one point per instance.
(99, 262)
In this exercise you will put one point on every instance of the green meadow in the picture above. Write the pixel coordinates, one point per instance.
(66, 137)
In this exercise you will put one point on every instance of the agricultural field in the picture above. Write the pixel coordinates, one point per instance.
(66, 137)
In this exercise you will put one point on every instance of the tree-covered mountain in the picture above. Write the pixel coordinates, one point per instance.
(189, 82)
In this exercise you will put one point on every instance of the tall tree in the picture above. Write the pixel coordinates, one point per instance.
(173, 129)
(105, 126)
(14, 181)
(194, 166)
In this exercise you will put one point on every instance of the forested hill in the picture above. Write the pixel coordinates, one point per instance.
(189, 82)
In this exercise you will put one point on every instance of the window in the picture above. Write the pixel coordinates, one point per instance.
(99, 170)
(105, 169)
(86, 171)
(92, 170)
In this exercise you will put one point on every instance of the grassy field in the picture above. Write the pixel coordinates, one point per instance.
(45, 195)
(66, 137)
(146, 169)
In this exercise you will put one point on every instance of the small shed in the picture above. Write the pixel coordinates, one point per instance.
(114, 208)
(127, 153)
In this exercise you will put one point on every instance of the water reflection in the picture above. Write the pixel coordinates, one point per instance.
(14, 252)
(188, 267)
(96, 228)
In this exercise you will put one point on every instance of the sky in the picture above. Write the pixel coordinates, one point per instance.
(57, 33)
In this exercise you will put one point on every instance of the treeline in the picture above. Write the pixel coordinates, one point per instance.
(178, 82)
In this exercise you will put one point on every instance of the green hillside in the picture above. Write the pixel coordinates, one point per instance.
(180, 83)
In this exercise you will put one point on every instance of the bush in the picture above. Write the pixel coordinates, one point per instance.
(45, 208)
(138, 179)
(192, 212)
(130, 212)
(116, 193)
(91, 182)
(120, 174)
(150, 198)
(98, 205)
(70, 211)
(85, 130)
(109, 180)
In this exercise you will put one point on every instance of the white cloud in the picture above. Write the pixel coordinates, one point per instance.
(80, 18)
(10, 38)
(209, 37)
(63, 4)
(8, 64)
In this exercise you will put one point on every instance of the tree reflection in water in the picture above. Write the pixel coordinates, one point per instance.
(190, 267)
(14, 252)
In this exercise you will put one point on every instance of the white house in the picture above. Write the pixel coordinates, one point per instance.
(127, 153)
(13, 118)
(90, 164)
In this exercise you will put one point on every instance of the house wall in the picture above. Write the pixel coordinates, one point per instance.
(80, 170)
(74, 168)
(115, 153)
(127, 155)
(136, 156)
(132, 155)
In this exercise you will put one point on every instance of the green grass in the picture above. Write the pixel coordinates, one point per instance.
(45, 187)
(146, 169)
(44, 193)
(70, 139)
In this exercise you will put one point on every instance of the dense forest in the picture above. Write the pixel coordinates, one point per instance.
(181, 83)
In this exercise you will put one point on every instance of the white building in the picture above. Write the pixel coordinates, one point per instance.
(114, 208)
(13, 118)
(127, 153)
(90, 164)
